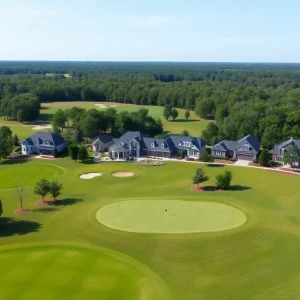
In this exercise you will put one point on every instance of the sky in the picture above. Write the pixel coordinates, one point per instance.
(156, 30)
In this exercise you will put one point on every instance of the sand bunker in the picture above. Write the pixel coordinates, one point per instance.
(90, 175)
(42, 127)
(101, 105)
(122, 174)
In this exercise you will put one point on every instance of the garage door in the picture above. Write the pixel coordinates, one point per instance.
(244, 157)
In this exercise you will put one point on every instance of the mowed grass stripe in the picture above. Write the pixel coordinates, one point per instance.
(74, 273)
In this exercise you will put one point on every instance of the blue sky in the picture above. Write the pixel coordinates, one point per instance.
(156, 30)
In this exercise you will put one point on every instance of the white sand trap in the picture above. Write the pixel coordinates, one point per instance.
(90, 175)
(122, 174)
(101, 105)
(42, 127)
(114, 105)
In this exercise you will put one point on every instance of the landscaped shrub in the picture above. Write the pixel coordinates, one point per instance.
(182, 154)
(150, 163)
(205, 157)
(273, 163)
(263, 159)
(224, 180)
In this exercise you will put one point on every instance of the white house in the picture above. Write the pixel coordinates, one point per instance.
(43, 143)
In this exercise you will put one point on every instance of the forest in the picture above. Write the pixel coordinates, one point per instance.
(263, 99)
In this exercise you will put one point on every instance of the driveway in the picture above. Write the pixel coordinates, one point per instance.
(242, 163)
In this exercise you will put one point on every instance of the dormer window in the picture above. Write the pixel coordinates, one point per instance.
(152, 145)
(186, 144)
(122, 144)
(245, 148)
(163, 145)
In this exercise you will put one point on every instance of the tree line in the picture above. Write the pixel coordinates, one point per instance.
(92, 122)
(263, 99)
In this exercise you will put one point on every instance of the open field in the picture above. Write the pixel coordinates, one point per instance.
(256, 261)
(194, 126)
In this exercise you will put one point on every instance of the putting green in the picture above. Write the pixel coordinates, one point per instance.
(28, 173)
(75, 273)
(170, 216)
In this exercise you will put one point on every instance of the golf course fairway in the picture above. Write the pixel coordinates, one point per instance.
(170, 216)
(71, 272)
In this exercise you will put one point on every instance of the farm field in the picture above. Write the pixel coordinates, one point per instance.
(104, 263)
(194, 126)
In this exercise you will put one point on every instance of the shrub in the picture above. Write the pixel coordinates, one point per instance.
(150, 163)
(182, 154)
(55, 153)
(199, 177)
(273, 163)
(224, 180)
(205, 157)
(263, 159)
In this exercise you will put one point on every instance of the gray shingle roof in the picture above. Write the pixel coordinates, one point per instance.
(178, 139)
(291, 141)
(157, 144)
(126, 138)
(227, 145)
(52, 137)
(104, 138)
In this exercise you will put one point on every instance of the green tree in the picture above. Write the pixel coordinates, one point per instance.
(42, 188)
(83, 153)
(224, 180)
(1, 209)
(199, 177)
(167, 112)
(264, 158)
(211, 133)
(185, 132)
(6, 142)
(20, 193)
(205, 157)
(187, 114)
(174, 114)
(16, 141)
(292, 156)
(55, 188)
(73, 151)
(59, 119)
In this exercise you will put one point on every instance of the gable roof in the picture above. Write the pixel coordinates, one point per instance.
(157, 144)
(227, 145)
(104, 138)
(53, 137)
(178, 139)
(126, 138)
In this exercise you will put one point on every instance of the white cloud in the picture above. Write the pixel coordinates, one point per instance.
(154, 20)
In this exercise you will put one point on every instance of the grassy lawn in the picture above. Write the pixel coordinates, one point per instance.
(194, 125)
(258, 260)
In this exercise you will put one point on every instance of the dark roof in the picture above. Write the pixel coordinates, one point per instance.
(178, 139)
(157, 144)
(126, 138)
(227, 145)
(291, 141)
(104, 138)
(52, 137)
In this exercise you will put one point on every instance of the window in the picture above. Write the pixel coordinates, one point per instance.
(152, 145)
(193, 153)
(163, 145)
(187, 144)
(245, 148)
(218, 153)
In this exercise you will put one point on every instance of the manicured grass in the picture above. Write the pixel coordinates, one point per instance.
(60, 272)
(257, 261)
(170, 216)
(27, 173)
(194, 125)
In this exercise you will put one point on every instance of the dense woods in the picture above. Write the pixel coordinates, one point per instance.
(263, 99)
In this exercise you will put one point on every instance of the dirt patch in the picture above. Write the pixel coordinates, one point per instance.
(21, 212)
(122, 174)
(206, 189)
(89, 175)
(222, 161)
(47, 202)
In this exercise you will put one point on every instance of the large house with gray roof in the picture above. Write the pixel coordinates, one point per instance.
(280, 149)
(102, 142)
(246, 148)
(134, 144)
(43, 143)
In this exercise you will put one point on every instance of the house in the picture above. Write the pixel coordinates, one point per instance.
(135, 144)
(280, 149)
(43, 143)
(246, 148)
(102, 142)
